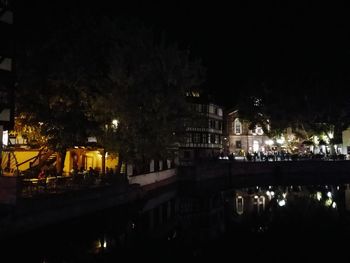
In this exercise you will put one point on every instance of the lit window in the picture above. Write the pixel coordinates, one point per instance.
(259, 130)
(216, 138)
(211, 109)
(219, 111)
(237, 125)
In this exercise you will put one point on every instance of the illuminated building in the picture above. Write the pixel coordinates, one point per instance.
(242, 139)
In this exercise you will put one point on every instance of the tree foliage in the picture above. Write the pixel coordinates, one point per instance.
(90, 71)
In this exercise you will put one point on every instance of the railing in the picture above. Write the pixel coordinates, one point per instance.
(32, 187)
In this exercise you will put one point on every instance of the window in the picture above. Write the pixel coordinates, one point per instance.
(204, 138)
(255, 146)
(219, 111)
(216, 139)
(211, 109)
(197, 138)
(211, 138)
(259, 130)
(238, 144)
(237, 126)
(212, 124)
(205, 108)
(188, 137)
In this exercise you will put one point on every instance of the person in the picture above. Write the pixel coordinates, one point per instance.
(41, 175)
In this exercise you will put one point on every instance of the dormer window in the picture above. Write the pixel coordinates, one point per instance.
(259, 130)
(237, 126)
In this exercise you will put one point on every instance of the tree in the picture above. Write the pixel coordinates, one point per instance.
(314, 103)
(150, 80)
(59, 79)
(90, 71)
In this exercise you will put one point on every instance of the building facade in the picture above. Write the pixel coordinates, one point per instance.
(242, 139)
(204, 132)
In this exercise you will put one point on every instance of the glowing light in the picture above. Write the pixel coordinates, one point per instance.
(331, 134)
(284, 195)
(272, 193)
(256, 197)
(280, 140)
(268, 193)
(115, 123)
(329, 194)
(5, 137)
(282, 202)
(318, 196)
(328, 202)
(334, 205)
(104, 243)
(269, 142)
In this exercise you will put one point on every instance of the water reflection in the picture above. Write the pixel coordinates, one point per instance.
(284, 209)
(183, 223)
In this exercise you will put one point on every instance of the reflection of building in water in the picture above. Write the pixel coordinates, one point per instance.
(253, 201)
(159, 215)
(202, 215)
(246, 202)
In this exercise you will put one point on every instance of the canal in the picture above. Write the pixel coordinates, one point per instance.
(289, 223)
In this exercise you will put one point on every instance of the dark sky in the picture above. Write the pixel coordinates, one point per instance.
(245, 48)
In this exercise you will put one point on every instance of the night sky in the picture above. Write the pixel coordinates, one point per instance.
(242, 48)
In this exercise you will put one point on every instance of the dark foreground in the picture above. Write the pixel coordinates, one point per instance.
(176, 225)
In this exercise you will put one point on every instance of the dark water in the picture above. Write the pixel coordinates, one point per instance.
(270, 223)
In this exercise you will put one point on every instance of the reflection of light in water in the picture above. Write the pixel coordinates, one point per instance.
(318, 196)
(329, 194)
(282, 202)
(328, 202)
(98, 244)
